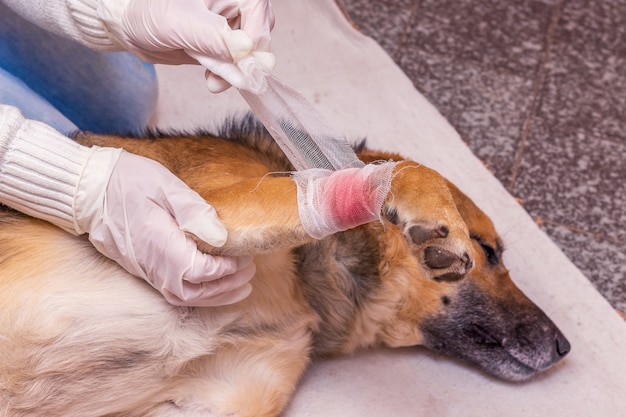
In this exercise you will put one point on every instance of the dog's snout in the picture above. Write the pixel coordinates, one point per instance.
(561, 345)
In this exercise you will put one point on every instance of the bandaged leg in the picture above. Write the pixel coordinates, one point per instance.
(333, 201)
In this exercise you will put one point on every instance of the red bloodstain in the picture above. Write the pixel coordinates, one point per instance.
(346, 198)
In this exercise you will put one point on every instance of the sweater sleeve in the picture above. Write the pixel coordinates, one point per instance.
(80, 20)
(39, 169)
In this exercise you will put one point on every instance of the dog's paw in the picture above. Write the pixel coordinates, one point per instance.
(421, 204)
(444, 258)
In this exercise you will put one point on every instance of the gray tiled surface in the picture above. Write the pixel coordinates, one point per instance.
(538, 91)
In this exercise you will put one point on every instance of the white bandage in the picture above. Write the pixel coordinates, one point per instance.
(333, 201)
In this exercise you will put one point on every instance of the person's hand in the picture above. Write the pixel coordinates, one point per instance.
(140, 214)
(219, 32)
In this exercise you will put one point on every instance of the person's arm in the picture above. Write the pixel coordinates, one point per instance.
(74, 19)
(39, 169)
(222, 32)
(135, 211)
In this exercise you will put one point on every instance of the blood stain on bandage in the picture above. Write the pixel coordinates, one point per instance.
(347, 199)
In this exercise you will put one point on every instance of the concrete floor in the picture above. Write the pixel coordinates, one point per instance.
(537, 89)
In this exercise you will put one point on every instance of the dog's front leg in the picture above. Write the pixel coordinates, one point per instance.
(261, 215)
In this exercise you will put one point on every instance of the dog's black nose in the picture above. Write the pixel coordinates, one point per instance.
(561, 345)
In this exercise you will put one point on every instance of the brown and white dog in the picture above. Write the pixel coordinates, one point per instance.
(80, 337)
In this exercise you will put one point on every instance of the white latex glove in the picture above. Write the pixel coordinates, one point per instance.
(140, 218)
(222, 32)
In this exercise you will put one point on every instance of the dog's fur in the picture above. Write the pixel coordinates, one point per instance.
(81, 337)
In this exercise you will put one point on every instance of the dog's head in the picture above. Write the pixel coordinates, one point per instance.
(485, 319)
(481, 317)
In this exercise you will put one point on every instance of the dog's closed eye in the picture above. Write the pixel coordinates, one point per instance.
(493, 254)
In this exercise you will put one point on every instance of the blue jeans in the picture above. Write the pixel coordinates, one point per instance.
(69, 86)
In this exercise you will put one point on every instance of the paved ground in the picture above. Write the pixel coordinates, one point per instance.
(538, 91)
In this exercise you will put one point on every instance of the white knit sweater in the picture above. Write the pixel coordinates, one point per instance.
(82, 20)
(39, 167)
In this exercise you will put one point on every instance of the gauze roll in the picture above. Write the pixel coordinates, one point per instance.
(333, 201)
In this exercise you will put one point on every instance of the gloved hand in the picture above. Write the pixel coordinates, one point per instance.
(138, 213)
(222, 32)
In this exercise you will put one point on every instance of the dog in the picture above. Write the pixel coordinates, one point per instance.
(81, 337)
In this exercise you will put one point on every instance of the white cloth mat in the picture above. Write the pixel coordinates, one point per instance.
(353, 83)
